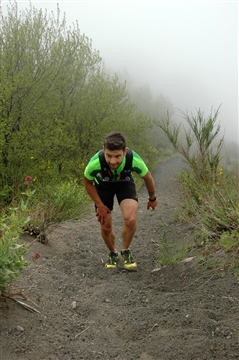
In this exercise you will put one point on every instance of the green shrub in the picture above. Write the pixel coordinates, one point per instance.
(57, 202)
(230, 240)
(219, 207)
(11, 252)
(210, 191)
(198, 145)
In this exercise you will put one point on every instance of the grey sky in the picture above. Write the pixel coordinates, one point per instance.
(186, 50)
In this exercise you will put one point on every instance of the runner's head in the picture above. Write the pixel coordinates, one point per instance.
(115, 141)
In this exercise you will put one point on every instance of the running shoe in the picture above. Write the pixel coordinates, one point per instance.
(129, 263)
(112, 261)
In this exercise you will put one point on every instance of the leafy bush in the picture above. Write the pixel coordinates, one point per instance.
(219, 211)
(11, 252)
(210, 192)
(57, 202)
(199, 148)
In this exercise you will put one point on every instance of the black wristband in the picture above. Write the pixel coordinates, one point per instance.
(153, 199)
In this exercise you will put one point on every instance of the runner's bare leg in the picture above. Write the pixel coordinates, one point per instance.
(108, 234)
(129, 208)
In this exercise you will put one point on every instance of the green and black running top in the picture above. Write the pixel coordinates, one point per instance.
(98, 170)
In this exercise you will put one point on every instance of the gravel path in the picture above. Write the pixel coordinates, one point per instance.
(84, 311)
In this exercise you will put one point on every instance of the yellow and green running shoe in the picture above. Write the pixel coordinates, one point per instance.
(129, 263)
(112, 261)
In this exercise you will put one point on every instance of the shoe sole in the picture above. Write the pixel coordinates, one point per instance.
(111, 266)
(130, 266)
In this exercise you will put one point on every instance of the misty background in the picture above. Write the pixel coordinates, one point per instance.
(187, 51)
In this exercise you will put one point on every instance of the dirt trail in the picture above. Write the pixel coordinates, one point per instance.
(178, 312)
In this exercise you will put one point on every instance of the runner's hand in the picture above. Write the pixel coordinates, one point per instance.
(152, 204)
(101, 213)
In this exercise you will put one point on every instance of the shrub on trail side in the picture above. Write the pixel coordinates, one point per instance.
(11, 252)
(42, 207)
(210, 192)
(56, 203)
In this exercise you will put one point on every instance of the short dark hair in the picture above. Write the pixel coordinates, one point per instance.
(115, 140)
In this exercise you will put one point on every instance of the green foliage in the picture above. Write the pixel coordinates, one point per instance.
(199, 149)
(210, 191)
(55, 203)
(11, 252)
(220, 209)
(216, 206)
(68, 199)
(44, 66)
(230, 240)
(57, 102)
(5, 195)
(50, 204)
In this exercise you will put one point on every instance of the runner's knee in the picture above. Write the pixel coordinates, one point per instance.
(130, 222)
(106, 228)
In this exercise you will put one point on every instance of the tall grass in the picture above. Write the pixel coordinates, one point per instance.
(11, 252)
(55, 203)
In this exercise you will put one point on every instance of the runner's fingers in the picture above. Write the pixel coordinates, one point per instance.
(152, 206)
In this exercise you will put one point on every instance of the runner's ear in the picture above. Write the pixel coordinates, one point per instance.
(126, 149)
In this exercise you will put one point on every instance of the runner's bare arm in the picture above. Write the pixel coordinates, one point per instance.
(149, 183)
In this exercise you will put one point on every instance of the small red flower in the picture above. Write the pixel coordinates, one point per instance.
(36, 256)
(28, 180)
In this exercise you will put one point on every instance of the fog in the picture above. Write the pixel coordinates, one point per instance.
(187, 51)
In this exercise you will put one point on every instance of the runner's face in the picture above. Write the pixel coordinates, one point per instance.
(114, 158)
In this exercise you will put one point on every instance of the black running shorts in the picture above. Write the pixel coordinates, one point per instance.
(123, 190)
